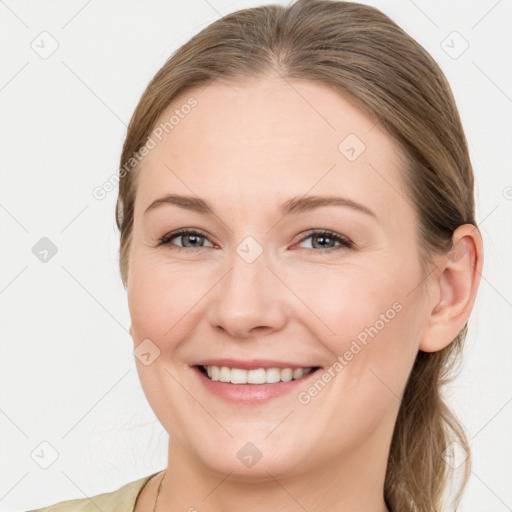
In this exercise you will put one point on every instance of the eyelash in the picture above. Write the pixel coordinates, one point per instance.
(344, 241)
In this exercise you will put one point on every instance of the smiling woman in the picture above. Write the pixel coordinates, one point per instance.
(301, 258)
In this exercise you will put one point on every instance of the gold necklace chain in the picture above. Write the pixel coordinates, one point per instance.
(159, 487)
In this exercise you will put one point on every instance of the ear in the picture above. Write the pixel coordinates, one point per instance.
(454, 290)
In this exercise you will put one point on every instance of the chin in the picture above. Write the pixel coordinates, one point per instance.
(254, 461)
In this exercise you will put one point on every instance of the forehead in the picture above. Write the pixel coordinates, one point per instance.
(267, 140)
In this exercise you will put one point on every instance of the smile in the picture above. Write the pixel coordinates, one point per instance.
(254, 385)
(254, 376)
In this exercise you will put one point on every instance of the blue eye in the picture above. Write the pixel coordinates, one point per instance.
(330, 236)
(186, 235)
(197, 239)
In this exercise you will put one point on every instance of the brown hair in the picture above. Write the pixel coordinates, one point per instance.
(361, 53)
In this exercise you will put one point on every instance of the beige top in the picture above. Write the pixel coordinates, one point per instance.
(121, 500)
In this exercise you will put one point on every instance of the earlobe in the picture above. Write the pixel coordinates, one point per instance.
(457, 284)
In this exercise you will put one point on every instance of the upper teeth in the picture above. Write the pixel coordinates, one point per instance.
(256, 376)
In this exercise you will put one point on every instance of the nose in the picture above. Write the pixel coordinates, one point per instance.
(249, 300)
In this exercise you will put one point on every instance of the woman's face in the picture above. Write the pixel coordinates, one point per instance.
(259, 281)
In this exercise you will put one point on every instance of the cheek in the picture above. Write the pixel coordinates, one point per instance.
(160, 297)
(375, 327)
(160, 301)
(340, 303)
(367, 320)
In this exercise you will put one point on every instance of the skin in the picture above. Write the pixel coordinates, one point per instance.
(245, 149)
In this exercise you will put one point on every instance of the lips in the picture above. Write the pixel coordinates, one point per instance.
(257, 391)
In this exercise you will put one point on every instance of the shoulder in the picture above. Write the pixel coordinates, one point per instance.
(120, 500)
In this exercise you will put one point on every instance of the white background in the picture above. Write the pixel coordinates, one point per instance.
(67, 368)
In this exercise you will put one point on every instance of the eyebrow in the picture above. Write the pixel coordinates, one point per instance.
(295, 205)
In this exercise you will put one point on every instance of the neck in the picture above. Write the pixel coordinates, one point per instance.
(349, 481)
